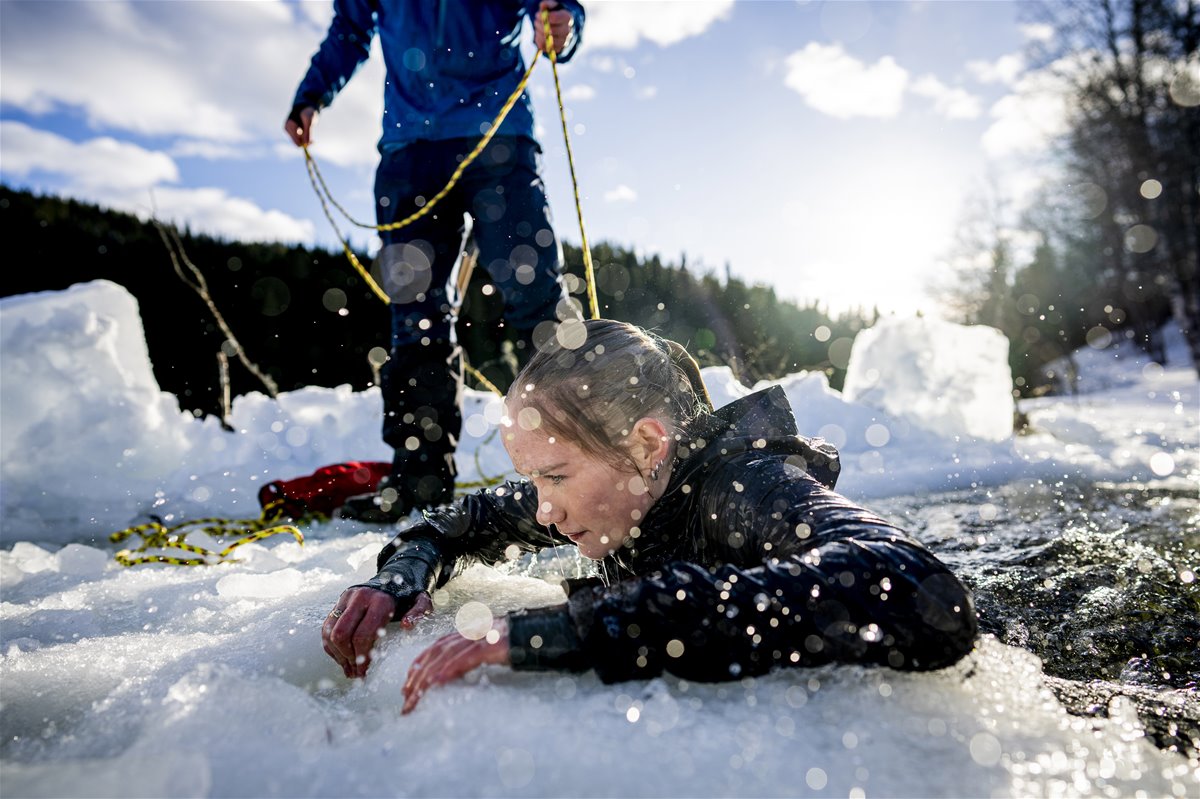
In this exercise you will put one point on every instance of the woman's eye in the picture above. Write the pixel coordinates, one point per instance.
(555, 479)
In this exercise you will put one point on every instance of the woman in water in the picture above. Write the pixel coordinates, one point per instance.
(722, 549)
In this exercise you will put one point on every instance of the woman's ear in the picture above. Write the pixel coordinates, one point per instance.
(649, 442)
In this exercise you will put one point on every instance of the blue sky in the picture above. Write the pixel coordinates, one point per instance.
(824, 148)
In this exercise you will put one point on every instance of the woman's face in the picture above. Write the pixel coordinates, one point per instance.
(587, 499)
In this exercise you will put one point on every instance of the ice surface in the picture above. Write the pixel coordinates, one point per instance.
(170, 681)
(1114, 361)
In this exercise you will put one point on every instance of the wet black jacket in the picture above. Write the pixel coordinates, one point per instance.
(748, 561)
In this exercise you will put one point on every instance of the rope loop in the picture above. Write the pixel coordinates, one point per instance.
(156, 535)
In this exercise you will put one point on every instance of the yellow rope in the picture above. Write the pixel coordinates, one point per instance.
(593, 304)
(126, 557)
(321, 188)
(318, 184)
(156, 535)
(198, 284)
(478, 375)
(327, 199)
(458, 172)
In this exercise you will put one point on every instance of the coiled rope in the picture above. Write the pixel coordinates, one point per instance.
(156, 535)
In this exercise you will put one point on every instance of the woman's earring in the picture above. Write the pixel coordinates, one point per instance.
(657, 469)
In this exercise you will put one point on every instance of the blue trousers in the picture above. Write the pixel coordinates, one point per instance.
(501, 200)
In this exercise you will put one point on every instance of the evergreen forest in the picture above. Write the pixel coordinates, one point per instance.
(306, 318)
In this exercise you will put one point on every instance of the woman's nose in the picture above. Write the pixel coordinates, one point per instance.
(549, 513)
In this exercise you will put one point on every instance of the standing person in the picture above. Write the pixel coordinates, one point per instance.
(722, 548)
(450, 68)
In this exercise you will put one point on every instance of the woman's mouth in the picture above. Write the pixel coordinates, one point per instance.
(576, 536)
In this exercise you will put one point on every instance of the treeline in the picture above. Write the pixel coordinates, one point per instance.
(1117, 226)
(306, 318)
(722, 322)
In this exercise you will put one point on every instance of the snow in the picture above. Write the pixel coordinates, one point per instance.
(167, 681)
(945, 378)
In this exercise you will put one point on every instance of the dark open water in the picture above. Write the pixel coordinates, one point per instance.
(1100, 581)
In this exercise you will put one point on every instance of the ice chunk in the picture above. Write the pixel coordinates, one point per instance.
(31, 559)
(81, 561)
(275, 585)
(950, 379)
(77, 379)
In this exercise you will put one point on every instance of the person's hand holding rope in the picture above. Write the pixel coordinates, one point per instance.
(562, 26)
(299, 125)
(300, 122)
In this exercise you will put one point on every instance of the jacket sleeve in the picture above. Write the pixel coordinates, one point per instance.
(576, 9)
(804, 577)
(481, 527)
(346, 46)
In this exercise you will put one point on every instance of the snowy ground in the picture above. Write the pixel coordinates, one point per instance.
(168, 681)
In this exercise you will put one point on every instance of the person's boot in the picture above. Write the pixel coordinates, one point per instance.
(385, 505)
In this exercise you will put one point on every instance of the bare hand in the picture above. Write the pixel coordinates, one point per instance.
(357, 622)
(452, 656)
(301, 133)
(562, 26)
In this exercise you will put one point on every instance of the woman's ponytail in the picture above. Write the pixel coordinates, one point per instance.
(685, 363)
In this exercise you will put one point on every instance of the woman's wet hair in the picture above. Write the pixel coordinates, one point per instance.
(593, 393)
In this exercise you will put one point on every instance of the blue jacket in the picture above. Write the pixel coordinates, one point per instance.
(451, 64)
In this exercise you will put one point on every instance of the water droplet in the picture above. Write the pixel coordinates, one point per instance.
(1162, 464)
(516, 767)
(985, 749)
(529, 418)
(473, 620)
(1140, 238)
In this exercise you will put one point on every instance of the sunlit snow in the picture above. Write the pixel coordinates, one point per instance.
(167, 681)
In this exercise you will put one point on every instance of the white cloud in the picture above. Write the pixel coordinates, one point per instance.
(835, 83)
(621, 194)
(1029, 118)
(646, 92)
(214, 151)
(602, 63)
(622, 24)
(152, 68)
(952, 103)
(130, 178)
(222, 73)
(100, 162)
(1005, 69)
(579, 92)
(1037, 32)
(214, 211)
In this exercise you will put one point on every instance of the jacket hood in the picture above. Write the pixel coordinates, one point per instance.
(761, 425)
(761, 421)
